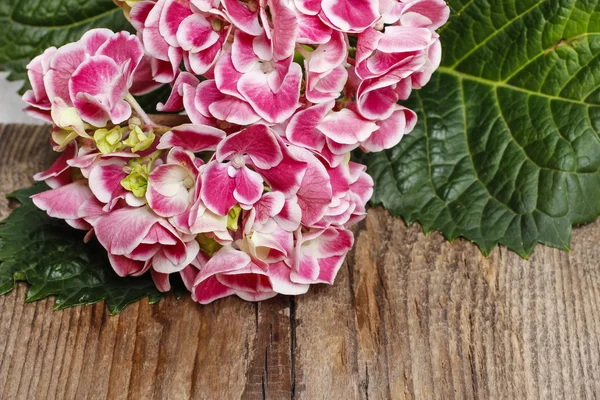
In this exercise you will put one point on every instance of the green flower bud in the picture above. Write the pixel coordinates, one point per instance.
(109, 141)
(232, 218)
(138, 140)
(208, 245)
(137, 180)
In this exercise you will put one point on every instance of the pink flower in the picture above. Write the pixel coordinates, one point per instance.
(171, 185)
(251, 72)
(137, 239)
(326, 69)
(94, 75)
(37, 96)
(228, 180)
(230, 271)
(379, 52)
(343, 15)
(174, 30)
(319, 255)
(377, 97)
(319, 126)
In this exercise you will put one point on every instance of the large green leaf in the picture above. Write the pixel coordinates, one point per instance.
(28, 27)
(52, 257)
(506, 149)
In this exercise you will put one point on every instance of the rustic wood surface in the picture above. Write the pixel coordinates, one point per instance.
(410, 316)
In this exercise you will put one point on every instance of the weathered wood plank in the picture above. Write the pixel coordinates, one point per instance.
(410, 317)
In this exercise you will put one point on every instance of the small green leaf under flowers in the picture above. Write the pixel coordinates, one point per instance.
(52, 257)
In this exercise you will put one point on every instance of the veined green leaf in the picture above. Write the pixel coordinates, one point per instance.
(506, 149)
(52, 257)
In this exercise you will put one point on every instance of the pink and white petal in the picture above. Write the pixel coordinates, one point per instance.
(144, 251)
(269, 205)
(430, 14)
(167, 179)
(125, 266)
(350, 15)
(201, 62)
(94, 76)
(171, 18)
(403, 39)
(287, 176)
(234, 111)
(167, 71)
(209, 290)
(256, 296)
(208, 222)
(250, 287)
(122, 230)
(120, 112)
(329, 55)
(125, 49)
(346, 127)
(308, 7)
(259, 142)
(248, 186)
(315, 193)
(105, 180)
(327, 86)
(280, 240)
(60, 165)
(242, 17)
(434, 57)
(161, 281)
(391, 130)
(80, 224)
(332, 242)
(340, 180)
(63, 202)
(175, 101)
(217, 190)
(246, 51)
(290, 215)
(285, 28)
(226, 259)
(196, 33)
(64, 62)
(139, 14)
(188, 276)
(279, 275)
(192, 137)
(165, 264)
(328, 268)
(306, 270)
(143, 81)
(206, 5)
(168, 206)
(227, 76)
(302, 129)
(191, 109)
(273, 107)
(311, 30)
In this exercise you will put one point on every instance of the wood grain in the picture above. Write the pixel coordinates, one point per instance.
(410, 317)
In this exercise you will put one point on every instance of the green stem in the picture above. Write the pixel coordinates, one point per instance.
(140, 111)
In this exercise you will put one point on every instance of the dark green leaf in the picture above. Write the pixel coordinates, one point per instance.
(506, 149)
(52, 257)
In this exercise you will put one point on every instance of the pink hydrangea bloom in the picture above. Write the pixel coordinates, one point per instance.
(256, 195)
(93, 75)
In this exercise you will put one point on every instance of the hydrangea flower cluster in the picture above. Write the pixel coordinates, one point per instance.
(255, 194)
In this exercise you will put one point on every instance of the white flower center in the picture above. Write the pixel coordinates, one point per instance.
(238, 162)
(267, 67)
(188, 182)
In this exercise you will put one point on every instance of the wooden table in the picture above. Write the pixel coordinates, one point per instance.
(410, 316)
